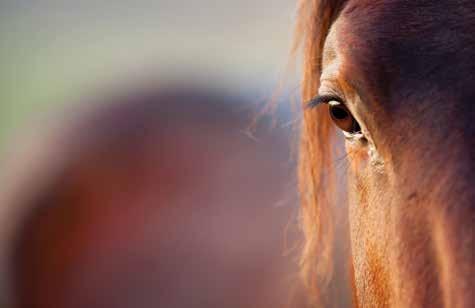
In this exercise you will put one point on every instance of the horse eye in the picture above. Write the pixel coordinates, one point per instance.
(342, 117)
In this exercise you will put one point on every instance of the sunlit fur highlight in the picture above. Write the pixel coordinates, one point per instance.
(317, 176)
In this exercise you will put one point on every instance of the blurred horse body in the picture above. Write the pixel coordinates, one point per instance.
(398, 78)
(150, 199)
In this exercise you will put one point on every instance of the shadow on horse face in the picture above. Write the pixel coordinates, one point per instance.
(404, 72)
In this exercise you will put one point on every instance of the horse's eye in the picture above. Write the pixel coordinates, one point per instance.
(342, 117)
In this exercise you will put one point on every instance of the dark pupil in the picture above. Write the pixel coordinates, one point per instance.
(339, 113)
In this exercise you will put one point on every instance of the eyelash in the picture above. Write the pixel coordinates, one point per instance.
(322, 99)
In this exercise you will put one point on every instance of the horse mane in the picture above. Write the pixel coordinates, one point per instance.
(317, 177)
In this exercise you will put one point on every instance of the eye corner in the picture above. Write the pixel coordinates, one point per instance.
(356, 137)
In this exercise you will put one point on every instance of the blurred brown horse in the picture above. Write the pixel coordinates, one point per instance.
(150, 199)
(397, 77)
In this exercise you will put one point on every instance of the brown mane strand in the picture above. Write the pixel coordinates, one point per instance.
(317, 179)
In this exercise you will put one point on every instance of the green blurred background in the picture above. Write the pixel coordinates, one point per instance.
(54, 51)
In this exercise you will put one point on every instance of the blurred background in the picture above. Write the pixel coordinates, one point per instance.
(141, 164)
(53, 50)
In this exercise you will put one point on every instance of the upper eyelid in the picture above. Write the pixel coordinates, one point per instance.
(322, 99)
(332, 86)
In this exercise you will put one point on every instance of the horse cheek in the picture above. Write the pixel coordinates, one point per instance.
(369, 210)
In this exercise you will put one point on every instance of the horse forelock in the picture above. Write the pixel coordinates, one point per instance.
(317, 177)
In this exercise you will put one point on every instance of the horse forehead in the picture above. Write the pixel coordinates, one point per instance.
(400, 43)
(387, 16)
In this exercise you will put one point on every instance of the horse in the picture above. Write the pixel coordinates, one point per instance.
(148, 197)
(389, 216)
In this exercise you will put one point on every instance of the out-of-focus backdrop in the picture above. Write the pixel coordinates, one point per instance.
(140, 164)
(52, 50)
